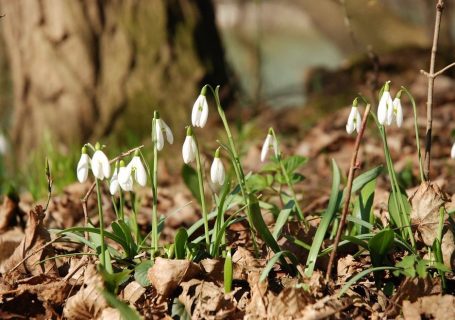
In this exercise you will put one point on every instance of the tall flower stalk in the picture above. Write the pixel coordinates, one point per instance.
(235, 160)
(287, 179)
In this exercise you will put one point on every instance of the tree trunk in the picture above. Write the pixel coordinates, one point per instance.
(83, 68)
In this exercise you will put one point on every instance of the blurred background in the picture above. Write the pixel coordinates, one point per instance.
(81, 71)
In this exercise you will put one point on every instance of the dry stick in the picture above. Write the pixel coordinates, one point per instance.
(347, 198)
(431, 77)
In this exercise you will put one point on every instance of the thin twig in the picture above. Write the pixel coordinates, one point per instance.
(353, 167)
(431, 76)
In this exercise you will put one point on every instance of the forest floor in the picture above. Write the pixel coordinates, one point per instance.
(34, 286)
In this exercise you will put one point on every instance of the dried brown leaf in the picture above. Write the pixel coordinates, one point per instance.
(88, 302)
(430, 307)
(426, 202)
(8, 243)
(32, 249)
(10, 213)
(166, 275)
(133, 292)
(205, 300)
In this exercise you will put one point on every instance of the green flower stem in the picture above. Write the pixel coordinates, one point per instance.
(396, 189)
(155, 192)
(200, 178)
(416, 127)
(288, 182)
(101, 218)
(236, 162)
(122, 204)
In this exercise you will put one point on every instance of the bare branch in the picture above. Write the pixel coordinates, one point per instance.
(431, 76)
(354, 166)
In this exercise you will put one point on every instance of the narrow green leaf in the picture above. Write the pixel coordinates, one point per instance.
(140, 272)
(189, 175)
(325, 221)
(282, 219)
(180, 240)
(125, 310)
(228, 272)
(259, 224)
(278, 256)
(360, 275)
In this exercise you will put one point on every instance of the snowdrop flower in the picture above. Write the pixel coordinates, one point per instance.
(125, 179)
(189, 148)
(100, 164)
(114, 185)
(452, 152)
(200, 110)
(354, 119)
(385, 108)
(162, 130)
(83, 166)
(217, 173)
(269, 143)
(138, 170)
(398, 110)
(3, 144)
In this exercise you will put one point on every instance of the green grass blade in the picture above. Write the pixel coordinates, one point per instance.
(125, 310)
(228, 274)
(282, 219)
(325, 221)
(278, 256)
(362, 274)
(180, 241)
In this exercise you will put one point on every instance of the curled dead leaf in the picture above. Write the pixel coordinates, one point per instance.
(205, 300)
(88, 302)
(430, 307)
(426, 202)
(27, 257)
(166, 275)
(10, 213)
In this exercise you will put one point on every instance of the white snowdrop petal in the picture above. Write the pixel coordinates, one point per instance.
(382, 108)
(188, 149)
(140, 173)
(159, 135)
(114, 185)
(350, 126)
(83, 167)
(452, 152)
(358, 122)
(398, 111)
(167, 132)
(266, 147)
(195, 113)
(3, 144)
(204, 112)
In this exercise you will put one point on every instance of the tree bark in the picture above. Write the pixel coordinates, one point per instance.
(81, 69)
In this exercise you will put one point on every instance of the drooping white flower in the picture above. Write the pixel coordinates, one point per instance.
(125, 178)
(138, 169)
(100, 164)
(385, 107)
(217, 173)
(162, 130)
(397, 111)
(83, 166)
(189, 148)
(3, 144)
(269, 143)
(452, 152)
(354, 120)
(114, 184)
(200, 110)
